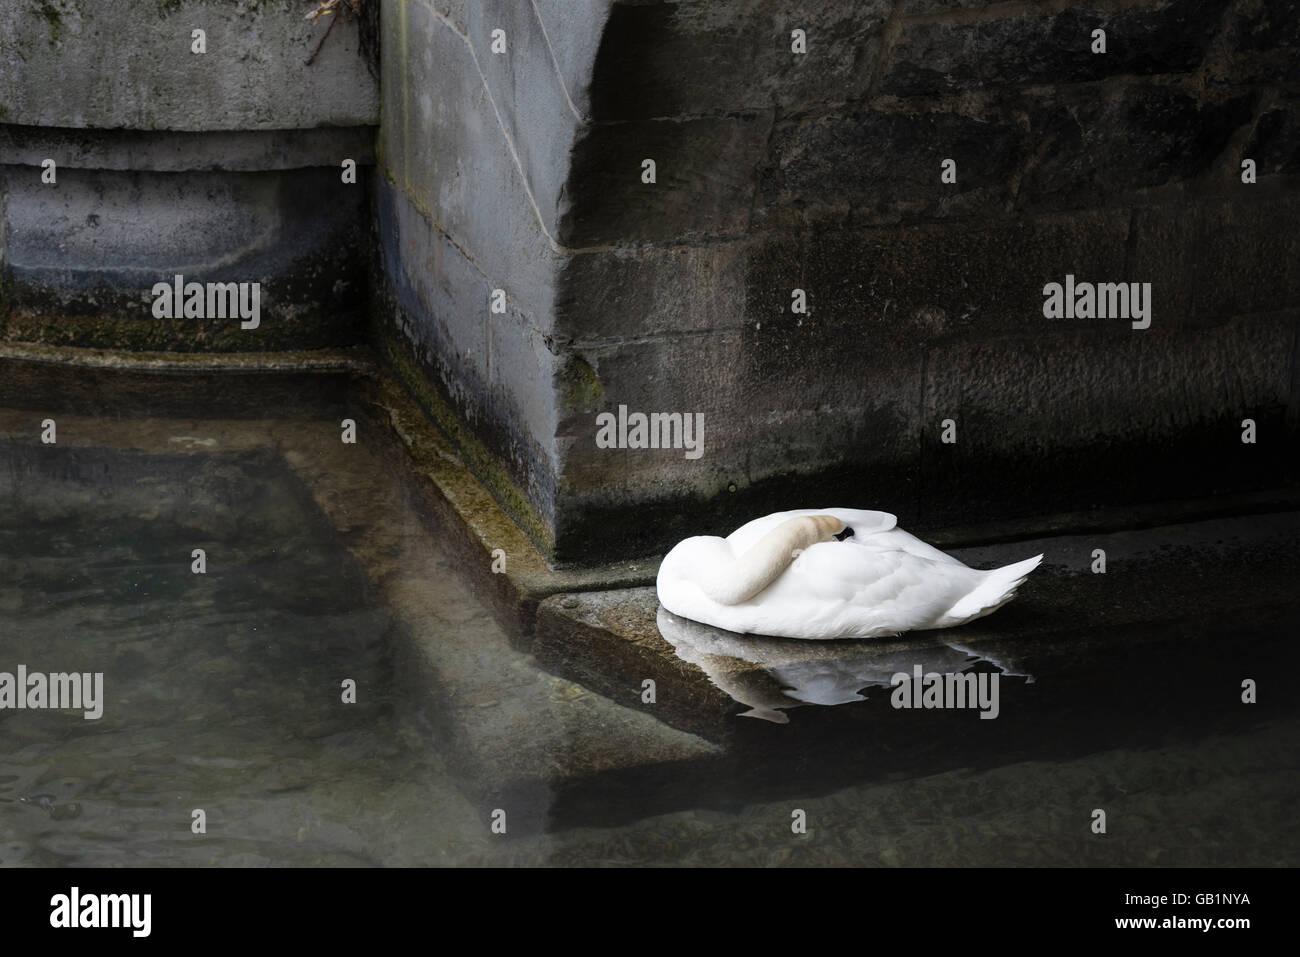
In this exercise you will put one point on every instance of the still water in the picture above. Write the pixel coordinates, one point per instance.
(223, 694)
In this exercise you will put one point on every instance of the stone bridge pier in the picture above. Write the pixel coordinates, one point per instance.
(854, 325)
(825, 235)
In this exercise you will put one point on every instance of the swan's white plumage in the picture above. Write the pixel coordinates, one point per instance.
(879, 581)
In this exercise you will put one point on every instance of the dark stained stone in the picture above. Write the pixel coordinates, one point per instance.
(1089, 411)
(1275, 143)
(869, 166)
(1089, 149)
(704, 179)
(699, 56)
(1040, 48)
(1248, 255)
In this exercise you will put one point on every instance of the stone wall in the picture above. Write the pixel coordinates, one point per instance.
(475, 153)
(222, 166)
(821, 171)
(519, 168)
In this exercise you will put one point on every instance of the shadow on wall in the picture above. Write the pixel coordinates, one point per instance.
(844, 257)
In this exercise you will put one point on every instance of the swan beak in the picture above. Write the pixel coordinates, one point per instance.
(844, 534)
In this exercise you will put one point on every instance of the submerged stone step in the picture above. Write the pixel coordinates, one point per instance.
(519, 738)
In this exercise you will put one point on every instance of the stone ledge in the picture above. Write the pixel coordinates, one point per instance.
(456, 500)
(306, 360)
(180, 151)
(81, 257)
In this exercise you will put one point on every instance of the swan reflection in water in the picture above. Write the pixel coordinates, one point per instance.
(773, 675)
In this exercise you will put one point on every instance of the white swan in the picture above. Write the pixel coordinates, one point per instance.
(828, 573)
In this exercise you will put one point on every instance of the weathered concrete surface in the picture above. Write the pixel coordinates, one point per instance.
(222, 167)
(81, 256)
(778, 171)
(170, 151)
(1204, 583)
(123, 64)
(474, 149)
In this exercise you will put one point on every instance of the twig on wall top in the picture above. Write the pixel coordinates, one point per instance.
(348, 10)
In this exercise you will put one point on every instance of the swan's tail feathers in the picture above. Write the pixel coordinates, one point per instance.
(998, 587)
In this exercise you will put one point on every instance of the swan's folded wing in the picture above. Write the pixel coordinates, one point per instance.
(905, 588)
(896, 538)
(863, 521)
(830, 571)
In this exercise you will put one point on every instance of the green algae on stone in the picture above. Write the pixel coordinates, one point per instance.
(277, 333)
(54, 18)
(478, 459)
(313, 303)
(582, 389)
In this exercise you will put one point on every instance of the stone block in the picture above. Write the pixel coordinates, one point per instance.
(1091, 150)
(1049, 47)
(1248, 255)
(1091, 421)
(1259, 43)
(1274, 144)
(698, 57)
(443, 146)
(867, 166)
(121, 64)
(704, 180)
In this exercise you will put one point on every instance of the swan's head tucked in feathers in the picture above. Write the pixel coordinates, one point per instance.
(730, 583)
